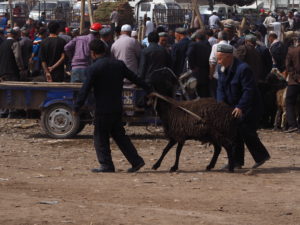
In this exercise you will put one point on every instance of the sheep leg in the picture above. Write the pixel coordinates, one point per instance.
(178, 151)
(229, 149)
(164, 153)
(217, 150)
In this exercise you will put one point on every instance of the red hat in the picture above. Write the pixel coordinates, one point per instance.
(67, 30)
(96, 27)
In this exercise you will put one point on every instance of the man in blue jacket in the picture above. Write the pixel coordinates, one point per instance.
(179, 51)
(237, 88)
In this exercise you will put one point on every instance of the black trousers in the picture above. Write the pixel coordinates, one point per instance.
(111, 125)
(248, 135)
(291, 97)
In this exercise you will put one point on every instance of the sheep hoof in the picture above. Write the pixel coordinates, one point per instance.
(155, 166)
(208, 168)
(173, 169)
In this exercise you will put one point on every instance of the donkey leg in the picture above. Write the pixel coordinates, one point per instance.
(178, 151)
(164, 153)
(217, 150)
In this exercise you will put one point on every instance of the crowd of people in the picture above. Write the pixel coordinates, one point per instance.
(55, 53)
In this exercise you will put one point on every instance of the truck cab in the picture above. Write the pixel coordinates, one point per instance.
(147, 6)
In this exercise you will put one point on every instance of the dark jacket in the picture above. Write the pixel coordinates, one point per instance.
(198, 57)
(26, 49)
(293, 65)
(178, 53)
(10, 59)
(278, 52)
(266, 60)
(106, 77)
(237, 88)
(249, 55)
(152, 58)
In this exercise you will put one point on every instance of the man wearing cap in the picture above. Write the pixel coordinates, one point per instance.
(26, 47)
(163, 40)
(264, 53)
(11, 62)
(234, 40)
(179, 50)
(198, 57)
(106, 36)
(153, 57)
(106, 77)
(213, 61)
(79, 51)
(249, 55)
(127, 49)
(237, 88)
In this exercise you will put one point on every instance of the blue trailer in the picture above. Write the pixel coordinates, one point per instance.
(55, 102)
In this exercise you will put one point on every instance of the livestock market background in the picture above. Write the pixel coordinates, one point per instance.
(48, 182)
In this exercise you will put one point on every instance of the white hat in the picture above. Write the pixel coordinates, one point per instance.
(134, 33)
(126, 27)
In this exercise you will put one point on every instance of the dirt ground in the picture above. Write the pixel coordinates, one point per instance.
(47, 181)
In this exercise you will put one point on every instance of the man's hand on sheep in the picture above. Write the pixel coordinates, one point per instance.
(237, 113)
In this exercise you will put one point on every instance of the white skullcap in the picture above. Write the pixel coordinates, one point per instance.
(126, 27)
(134, 33)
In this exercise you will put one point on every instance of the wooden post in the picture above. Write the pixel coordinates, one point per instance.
(193, 18)
(82, 16)
(196, 9)
(11, 14)
(90, 12)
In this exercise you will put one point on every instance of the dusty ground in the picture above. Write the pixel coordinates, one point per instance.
(46, 181)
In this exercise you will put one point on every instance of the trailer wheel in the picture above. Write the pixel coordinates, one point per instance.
(58, 121)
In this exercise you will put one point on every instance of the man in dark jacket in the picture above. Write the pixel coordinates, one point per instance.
(106, 77)
(198, 57)
(277, 51)
(293, 90)
(237, 88)
(249, 55)
(153, 57)
(11, 63)
(26, 47)
(264, 53)
(179, 51)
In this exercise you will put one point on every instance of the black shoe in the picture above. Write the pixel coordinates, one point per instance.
(236, 166)
(137, 167)
(291, 130)
(103, 169)
(258, 164)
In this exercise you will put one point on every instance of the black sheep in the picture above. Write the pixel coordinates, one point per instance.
(216, 126)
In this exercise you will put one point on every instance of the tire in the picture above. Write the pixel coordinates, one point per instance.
(59, 122)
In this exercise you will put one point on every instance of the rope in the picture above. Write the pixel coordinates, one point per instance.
(178, 106)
